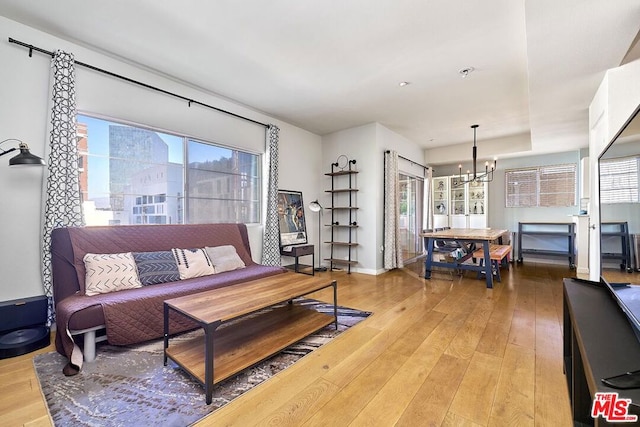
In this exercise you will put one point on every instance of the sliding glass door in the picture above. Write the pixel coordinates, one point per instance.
(411, 191)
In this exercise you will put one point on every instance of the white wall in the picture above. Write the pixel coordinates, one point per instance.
(616, 99)
(366, 144)
(24, 115)
(510, 146)
(357, 144)
(300, 169)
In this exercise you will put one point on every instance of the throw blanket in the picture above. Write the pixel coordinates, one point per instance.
(136, 315)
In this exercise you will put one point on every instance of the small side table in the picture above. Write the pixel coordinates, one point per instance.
(296, 252)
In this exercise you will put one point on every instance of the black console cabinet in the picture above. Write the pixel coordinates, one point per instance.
(296, 252)
(598, 343)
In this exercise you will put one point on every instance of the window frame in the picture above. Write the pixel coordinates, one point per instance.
(186, 139)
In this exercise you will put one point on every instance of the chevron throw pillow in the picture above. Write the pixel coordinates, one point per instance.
(110, 273)
(156, 267)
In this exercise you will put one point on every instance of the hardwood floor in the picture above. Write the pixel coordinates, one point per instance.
(439, 352)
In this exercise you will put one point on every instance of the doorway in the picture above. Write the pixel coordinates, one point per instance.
(411, 189)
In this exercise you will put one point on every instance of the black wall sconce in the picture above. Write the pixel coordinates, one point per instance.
(24, 157)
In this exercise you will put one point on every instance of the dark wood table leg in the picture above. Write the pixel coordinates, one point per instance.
(488, 266)
(428, 260)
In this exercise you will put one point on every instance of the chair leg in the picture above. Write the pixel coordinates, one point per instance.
(496, 265)
(479, 276)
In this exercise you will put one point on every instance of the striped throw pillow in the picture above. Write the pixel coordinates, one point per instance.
(156, 267)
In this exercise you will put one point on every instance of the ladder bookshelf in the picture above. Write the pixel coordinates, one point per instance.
(343, 214)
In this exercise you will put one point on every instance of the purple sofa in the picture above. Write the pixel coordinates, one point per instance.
(132, 315)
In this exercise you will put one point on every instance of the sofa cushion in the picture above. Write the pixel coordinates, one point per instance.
(192, 263)
(224, 258)
(110, 273)
(156, 267)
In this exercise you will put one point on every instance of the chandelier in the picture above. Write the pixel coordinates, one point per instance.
(487, 176)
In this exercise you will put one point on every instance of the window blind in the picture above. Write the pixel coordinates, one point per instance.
(557, 185)
(521, 187)
(543, 186)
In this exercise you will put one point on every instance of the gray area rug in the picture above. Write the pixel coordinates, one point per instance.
(129, 386)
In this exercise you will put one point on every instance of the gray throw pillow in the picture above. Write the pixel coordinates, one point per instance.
(224, 258)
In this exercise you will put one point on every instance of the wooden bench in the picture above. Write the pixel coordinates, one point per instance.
(498, 254)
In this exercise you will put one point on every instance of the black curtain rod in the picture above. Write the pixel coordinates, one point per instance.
(127, 79)
(409, 160)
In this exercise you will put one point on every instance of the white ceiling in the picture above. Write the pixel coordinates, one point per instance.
(332, 65)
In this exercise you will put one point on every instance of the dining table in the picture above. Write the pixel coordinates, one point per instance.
(468, 240)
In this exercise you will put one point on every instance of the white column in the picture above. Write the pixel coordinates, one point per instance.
(582, 244)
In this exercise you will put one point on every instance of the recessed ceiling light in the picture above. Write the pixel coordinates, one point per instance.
(466, 71)
(403, 84)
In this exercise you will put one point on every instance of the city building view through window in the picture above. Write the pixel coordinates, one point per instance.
(135, 175)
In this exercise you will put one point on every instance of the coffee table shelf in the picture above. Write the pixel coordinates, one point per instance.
(249, 341)
(238, 332)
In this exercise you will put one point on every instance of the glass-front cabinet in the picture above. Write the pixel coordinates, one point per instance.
(458, 213)
(440, 202)
(477, 204)
(459, 206)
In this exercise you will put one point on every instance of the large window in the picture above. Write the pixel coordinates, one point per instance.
(136, 175)
(542, 186)
(619, 180)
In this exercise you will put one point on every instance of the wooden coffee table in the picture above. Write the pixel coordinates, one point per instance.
(251, 338)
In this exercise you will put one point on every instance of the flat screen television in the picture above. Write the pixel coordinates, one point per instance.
(619, 173)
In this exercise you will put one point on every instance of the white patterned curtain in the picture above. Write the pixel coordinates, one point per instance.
(392, 251)
(428, 211)
(62, 203)
(271, 236)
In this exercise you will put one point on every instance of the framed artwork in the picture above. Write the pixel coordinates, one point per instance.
(291, 218)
